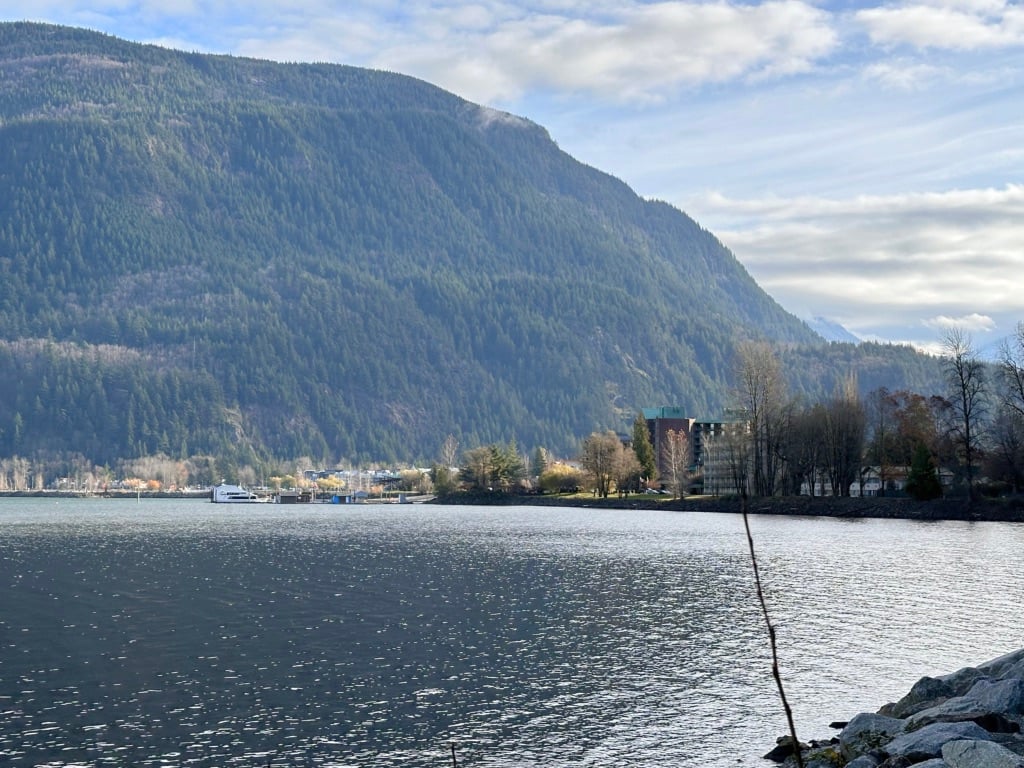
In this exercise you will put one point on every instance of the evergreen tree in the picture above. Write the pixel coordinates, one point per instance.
(644, 450)
(540, 461)
(444, 479)
(923, 481)
(507, 465)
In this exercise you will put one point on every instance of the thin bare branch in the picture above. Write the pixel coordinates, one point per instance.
(771, 637)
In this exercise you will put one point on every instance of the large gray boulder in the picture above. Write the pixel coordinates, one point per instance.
(1005, 666)
(1010, 665)
(926, 692)
(988, 701)
(927, 742)
(866, 732)
(819, 758)
(1005, 695)
(864, 761)
(1013, 670)
(967, 753)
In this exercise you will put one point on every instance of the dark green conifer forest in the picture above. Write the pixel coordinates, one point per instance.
(207, 255)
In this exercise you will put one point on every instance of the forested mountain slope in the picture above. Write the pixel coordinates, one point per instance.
(213, 255)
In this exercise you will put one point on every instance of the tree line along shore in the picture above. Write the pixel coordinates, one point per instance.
(964, 446)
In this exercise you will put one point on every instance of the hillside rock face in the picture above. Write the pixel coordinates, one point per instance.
(971, 718)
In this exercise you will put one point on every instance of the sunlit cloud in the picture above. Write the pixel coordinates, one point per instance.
(626, 52)
(493, 50)
(876, 261)
(951, 25)
(968, 323)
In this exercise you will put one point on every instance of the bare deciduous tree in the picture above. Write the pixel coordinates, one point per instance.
(449, 454)
(761, 393)
(1011, 367)
(727, 460)
(804, 445)
(676, 459)
(601, 458)
(881, 425)
(627, 472)
(20, 470)
(965, 373)
(1005, 460)
(844, 438)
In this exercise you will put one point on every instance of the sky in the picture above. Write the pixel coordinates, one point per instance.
(863, 161)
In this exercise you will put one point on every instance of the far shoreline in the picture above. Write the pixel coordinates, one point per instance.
(1006, 510)
(1002, 510)
(108, 494)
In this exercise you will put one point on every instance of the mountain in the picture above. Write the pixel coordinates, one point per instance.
(830, 330)
(209, 255)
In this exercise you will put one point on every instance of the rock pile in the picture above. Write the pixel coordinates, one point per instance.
(968, 719)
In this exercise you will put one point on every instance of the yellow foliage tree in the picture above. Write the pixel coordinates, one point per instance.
(560, 478)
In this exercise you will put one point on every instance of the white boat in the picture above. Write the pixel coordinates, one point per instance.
(235, 494)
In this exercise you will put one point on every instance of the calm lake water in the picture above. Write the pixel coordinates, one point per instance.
(180, 633)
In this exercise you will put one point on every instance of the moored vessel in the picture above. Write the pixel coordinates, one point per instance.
(235, 494)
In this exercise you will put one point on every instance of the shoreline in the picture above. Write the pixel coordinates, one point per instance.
(982, 510)
(1005, 510)
(118, 494)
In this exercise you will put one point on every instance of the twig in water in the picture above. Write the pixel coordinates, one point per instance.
(455, 763)
(771, 636)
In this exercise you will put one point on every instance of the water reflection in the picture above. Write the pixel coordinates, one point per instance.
(179, 634)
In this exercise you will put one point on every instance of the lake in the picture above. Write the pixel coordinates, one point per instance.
(182, 633)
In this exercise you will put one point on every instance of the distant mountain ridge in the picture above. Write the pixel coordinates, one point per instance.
(830, 330)
(210, 255)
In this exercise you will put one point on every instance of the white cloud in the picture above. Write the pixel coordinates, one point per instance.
(497, 51)
(876, 262)
(903, 75)
(949, 25)
(634, 52)
(489, 50)
(968, 323)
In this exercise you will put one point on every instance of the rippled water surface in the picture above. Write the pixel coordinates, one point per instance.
(184, 633)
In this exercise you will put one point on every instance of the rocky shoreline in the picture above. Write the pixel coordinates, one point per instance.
(971, 718)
